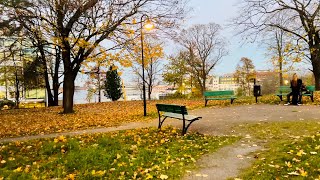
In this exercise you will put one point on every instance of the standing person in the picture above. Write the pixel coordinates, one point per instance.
(295, 85)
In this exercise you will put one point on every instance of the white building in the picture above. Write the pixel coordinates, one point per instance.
(222, 83)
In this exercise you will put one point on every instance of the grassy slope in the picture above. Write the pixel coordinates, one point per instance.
(131, 154)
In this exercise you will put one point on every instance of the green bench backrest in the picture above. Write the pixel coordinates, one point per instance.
(172, 108)
(311, 88)
(288, 89)
(284, 89)
(218, 93)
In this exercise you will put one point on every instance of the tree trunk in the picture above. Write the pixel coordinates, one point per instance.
(149, 92)
(56, 91)
(204, 85)
(316, 70)
(56, 84)
(280, 73)
(17, 89)
(48, 88)
(68, 92)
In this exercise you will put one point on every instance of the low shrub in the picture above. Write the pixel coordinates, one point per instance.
(7, 102)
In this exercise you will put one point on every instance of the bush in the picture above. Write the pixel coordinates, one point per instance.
(176, 95)
(7, 102)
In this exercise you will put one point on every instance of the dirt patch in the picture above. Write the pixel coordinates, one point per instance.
(227, 162)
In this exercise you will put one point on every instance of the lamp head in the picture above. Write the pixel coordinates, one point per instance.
(148, 25)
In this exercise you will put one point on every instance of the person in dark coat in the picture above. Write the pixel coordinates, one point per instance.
(295, 85)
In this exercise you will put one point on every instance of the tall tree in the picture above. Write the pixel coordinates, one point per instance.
(302, 19)
(21, 21)
(244, 74)
(205, 48)
(175, 72)
(284, 54)
(80, 26)
(153, 52)
(113, 84)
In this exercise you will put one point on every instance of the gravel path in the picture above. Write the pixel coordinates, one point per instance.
(228, 161)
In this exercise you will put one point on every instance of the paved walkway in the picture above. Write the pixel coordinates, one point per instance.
(218, 121)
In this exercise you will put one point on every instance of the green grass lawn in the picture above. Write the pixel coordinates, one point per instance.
(292, 150)
(132, 154)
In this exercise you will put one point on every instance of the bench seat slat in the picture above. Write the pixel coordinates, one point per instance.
(283, 94)
(222, 98)
(306, 94)
(179, 116)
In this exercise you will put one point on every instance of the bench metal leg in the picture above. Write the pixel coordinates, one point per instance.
(232, 101)
(280, 96)
(205, 103)
(161, 122)
(312, 98)
(185, 128)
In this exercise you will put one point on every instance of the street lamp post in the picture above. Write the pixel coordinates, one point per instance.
(148, 26)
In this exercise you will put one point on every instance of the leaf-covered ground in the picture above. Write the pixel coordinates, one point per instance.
(20, 122)
(132, 154)
(292, 150)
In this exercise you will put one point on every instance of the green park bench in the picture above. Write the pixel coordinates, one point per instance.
(285, 90)
(176, 112)
(219, 95)
(309, 92)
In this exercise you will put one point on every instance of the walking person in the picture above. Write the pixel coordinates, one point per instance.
(295, 85)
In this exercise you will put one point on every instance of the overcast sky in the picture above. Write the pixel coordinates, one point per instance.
(220, 12)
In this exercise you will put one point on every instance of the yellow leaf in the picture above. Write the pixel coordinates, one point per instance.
(288, 164)
(19, 169)
(149, 176)
(93, 172)
(118, 156)
(70, 176)
(27, 169)
(303, 173)
(162, 176)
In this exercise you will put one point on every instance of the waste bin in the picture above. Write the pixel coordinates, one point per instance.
(257, 91)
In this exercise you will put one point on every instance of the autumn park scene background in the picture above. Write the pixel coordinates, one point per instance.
(80, 80)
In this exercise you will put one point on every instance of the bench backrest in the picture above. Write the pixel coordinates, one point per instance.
(284, 89)
(311, 88)
(172, 108)
(219, 93)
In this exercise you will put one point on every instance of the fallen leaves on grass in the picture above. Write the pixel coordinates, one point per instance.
(297, 158)
(19, 122)
(130, 154)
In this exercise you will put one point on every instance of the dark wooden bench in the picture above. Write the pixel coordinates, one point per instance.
(285, 90)
(219, 95)
(176, 112)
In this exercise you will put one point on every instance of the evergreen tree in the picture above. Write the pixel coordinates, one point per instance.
(113, 84)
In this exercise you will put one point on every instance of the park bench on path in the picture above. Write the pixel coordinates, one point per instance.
(219, 95)
(176, 112)
(285, 90)
(309, 92)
